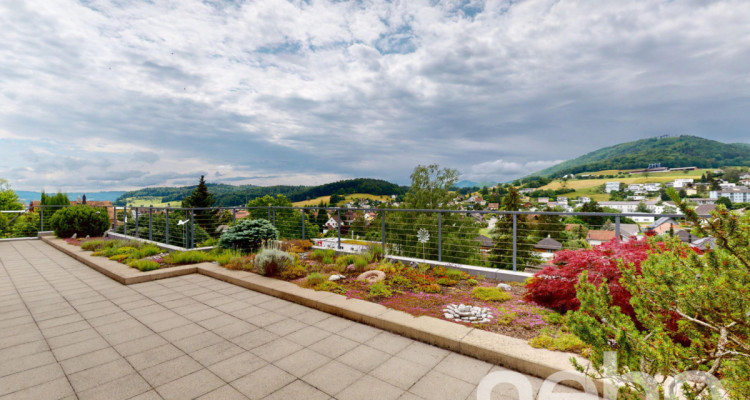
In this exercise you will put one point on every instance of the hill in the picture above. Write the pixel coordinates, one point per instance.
(26, 196)
(229, 195)
(673, 152)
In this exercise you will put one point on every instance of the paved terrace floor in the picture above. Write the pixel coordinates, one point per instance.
(67, 331)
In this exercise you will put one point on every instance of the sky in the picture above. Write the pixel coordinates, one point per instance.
(122, 94)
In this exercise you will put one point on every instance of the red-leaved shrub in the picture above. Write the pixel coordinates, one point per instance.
(555, 285)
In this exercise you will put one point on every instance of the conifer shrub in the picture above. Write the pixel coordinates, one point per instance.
(81, 220)
(270, 262)
(248, 235)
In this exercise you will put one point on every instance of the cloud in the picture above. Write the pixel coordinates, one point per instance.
(268, 92)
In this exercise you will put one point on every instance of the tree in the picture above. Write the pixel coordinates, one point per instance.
(642, 208)
(501, 254)
(430, 187)
(690, 311)
(724, 201)
(8, 198)
(287, 220)
(592, 221)
(202, 198)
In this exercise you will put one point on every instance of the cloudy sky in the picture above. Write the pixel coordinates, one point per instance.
(98, 94)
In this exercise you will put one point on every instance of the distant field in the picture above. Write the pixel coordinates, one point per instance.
(587, 187)
(150, 201)
(327, 199)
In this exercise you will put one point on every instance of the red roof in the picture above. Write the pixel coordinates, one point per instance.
(602, 236)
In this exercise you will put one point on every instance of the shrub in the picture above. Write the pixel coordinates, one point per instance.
(328, 260)
(187, 257)
(81, 220)
(431, 288)
(472, 282)
(446, 282)
(558, 340)
(144, 265)
(224, 256)
(315, 278)
(248, 235)
(296, 245)
(379, 290)
(555, 286)
(4, 226)
(399, 280)
(360, 263)
(377, 251)
(490, 294)
(241, 262)
(210, 242)
(119, 257)
(145, 251)
(330, 286)
(345, 259)
(456, 274)
(320, 254)
(294, 272)
(270, 262)
(97, 244)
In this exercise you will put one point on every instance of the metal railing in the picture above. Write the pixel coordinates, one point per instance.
(501, 239)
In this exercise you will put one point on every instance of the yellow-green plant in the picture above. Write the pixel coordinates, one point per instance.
(490, 294)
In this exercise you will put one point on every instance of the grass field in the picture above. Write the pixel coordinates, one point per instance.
(326, 199)
(150, 201)
(587, 187)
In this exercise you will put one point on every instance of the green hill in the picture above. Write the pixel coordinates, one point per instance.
(672, 152)
(229, 195)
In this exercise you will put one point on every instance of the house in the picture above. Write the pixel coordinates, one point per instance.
(701, 200)
(543, 200)
(685, 236)
(610, 187)
(629, 231)
(683, 183)
(547, 247)
(597, 237)
(705, 209)
(333, 222)
(493, 206)
(485, 245)
(562, 200)
(662, 225)
(642, 218)
(703, 244)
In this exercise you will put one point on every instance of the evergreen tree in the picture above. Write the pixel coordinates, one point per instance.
(202, 198)
(501, 255)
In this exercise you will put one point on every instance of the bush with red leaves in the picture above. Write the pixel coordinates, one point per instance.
(555, 285)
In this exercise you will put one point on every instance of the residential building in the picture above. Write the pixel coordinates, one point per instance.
(683, 183)
(493, 206)
(562, 200)
(547, 247)
(596, 237)
(701, 200)
(543, 200)
(629, 231)
(705, 209)
(642, 218)
(739, 194)
(610, 187)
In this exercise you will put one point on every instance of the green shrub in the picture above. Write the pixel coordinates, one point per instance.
(81, 220)
(328, 260)
(96, 244)
(379, 290)
(329, 286)
(431, 288)
(446, 282)
(294, 272)
(455, 274)
(360, 263)
(187, 257)
(315, 278)
(402, 281)
(224, 256)
(345, 259)
(144, 265)
(377, 251)
(124, 249)
(119, 257)
(248, 235)
(145, 251)
(209, 242)
(240, 263)
(4, 226)
(472, 282)
(558, 340)
(270, 262)
(321, 254)
(490, 294)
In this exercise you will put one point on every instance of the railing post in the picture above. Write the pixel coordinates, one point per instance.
(136, 222)
(114, 227)
(515, 235)
(617, 227)
(440, 236)
(166, 228)
(41, 218)
(150, 221)
(192, 229)
(274, 217)
(338, 225)
(269, 213)
(382, 231)
(303, 224)
(234, 216)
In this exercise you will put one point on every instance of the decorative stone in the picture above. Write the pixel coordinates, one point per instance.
(371, 276)
(467, 313)
(504, 286)
(351, 268)
(75, 235)
(336, 277)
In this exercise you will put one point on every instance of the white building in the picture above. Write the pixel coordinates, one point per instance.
(610, 187)
(562, 200)
(683, 183)
(739, 194)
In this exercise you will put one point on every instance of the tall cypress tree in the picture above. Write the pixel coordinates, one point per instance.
(202, 198)
(501, 255)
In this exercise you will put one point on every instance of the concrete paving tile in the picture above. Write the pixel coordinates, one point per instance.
(24, 363)
(72, 338)
(74, 350)
(285, 327)
(150, 395)
(308, 335)
(140, 345)
(254, 339)
(190, 386)
(465, 368)
(333, 377)
(302, 362)
(333, 346)
(389, 342)
(99, 375)
(265, 319)
(54, 389)
(263, 382)
(123, 388)
(21, 338)
(276, 349)
(198, 341)
(31, 377)
(154, 356)
(424, 354)
(360, 333)
(364, 358)
(399, 372)
(235, 329)
(227, 392)
(334, 324)
(298, 390)
(217, 352)
(65, 329)
(89, 360)
(237, 366)
(369, 388)
(247, 313)
(183, 332)
(170, 370)
(438, 386)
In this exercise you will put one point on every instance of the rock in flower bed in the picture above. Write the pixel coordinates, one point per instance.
(464, 313)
